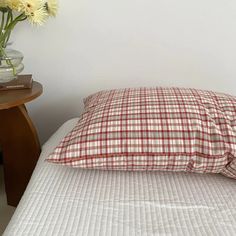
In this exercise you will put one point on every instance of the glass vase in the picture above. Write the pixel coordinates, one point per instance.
(10, 65)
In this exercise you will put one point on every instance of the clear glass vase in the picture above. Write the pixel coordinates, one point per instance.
(10, 65)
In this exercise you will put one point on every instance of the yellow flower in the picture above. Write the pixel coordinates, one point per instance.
(38, 16)
(14, 4)
(52, 7)
(30, 6)
(3, 3)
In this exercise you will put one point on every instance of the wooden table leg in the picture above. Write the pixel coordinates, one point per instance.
(21, 149)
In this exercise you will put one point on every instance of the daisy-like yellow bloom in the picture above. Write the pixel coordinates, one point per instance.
(30, 6)
(38, 17)
(14, 4)
(52, 7)
(15, 11)
(3, 3)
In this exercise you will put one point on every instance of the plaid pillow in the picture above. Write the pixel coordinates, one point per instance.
(169, 129)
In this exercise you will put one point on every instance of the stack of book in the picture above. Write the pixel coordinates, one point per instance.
(21, 82)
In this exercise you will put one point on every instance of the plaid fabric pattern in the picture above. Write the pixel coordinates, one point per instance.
(169, 129)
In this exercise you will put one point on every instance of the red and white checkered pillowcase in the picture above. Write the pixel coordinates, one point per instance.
(169, 129)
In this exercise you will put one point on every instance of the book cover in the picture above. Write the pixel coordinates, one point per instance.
(21, 82)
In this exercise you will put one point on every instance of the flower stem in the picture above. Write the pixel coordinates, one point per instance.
(8, 61)
(2, 22)
(6, 27)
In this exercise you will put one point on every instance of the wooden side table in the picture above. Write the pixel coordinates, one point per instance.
(18, 140)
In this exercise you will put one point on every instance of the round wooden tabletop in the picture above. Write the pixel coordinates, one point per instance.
(12, 98)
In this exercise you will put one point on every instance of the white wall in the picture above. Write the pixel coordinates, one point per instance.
(101, 44)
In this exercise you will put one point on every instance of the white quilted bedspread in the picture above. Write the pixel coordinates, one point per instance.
(64, 201)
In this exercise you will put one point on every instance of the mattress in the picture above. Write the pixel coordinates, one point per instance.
(60, 200)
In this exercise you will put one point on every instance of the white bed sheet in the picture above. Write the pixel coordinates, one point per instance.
(61, 200)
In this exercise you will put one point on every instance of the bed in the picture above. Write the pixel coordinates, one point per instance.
(60, 200)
